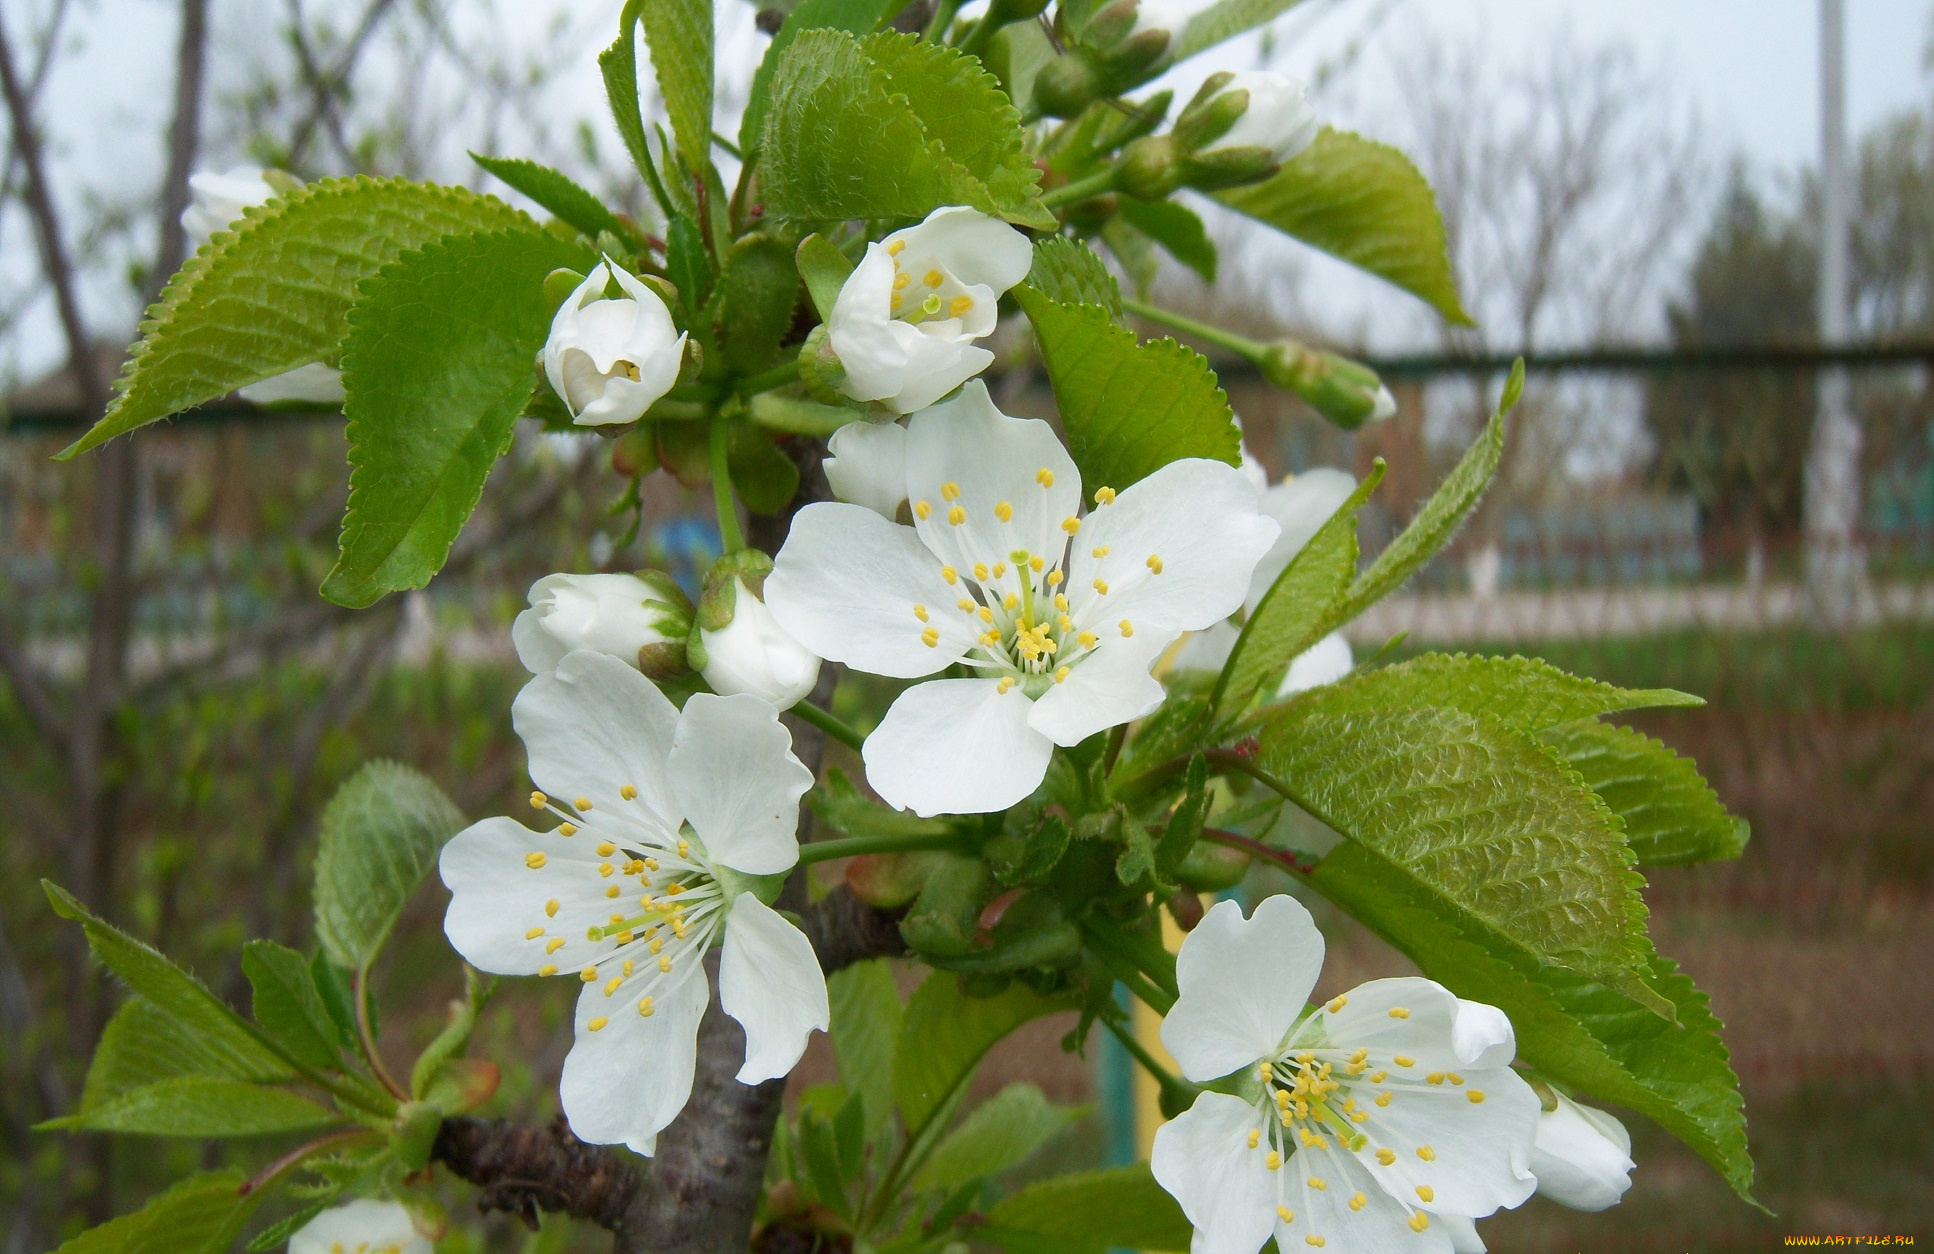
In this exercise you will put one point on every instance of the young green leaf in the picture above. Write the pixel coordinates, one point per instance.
(1067, 272)
(679, 33)
(1222, 20)
(687, 263)
(966, 114)
(825, 269)
(1484, 820)
(274, 292)
(223, 1043)
(287, 1005)
(1000, 1133)
(1574, 1029)
(277, 1234)
(818, 1148)
(1087, 1213)
(855, 17)
(841, 806)
(437, 367)
(1185, 823)
(618, 65)
(1365, 203)
(201, 1215)
(866, 1015)
(757, 293)
(571, 204)
(380, 835)
(944, 1036)
(1128, 408)
(1672, 817)
(201, 1106)
(1523, 693)
(1176, 228)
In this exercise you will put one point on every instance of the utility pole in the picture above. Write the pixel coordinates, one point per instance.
(1835, 563)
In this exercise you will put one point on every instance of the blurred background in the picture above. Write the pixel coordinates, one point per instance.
(1711, 227)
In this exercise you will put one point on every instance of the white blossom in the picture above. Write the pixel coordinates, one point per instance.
(611, 358)
(365, 1226)
(1279, 116)
(618, 614)
(906, 319)
(667, 818)
(868, 466)
(754, 654)
(1060, 613)
(1582, 1157)
(1360, 1121)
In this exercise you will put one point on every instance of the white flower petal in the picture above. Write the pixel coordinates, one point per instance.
(537, 648)
(737, 781)
(936, 367)
(1108, 687)
(956, 746)
(754, 655)
(593, 725)
(980, 250)
(1349, 1211)
(994, 460)
(868, 466)
(1582, 1156)
(606, 613)
(1208, 649)
(1300, 505)
(1422, 1029)
(1462, 1232)
(498, 917)
(1481, 1148)
(1483, 1036)
(1279, 116)
(624, 1082)
(1243, 983)
(770, 981)
(1203, 1158)
(1196, 519)
(367, 1225)
(1324, 662)
(845, 585)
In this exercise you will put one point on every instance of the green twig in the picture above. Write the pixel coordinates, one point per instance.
(1095, 184)
(731, 539)
(777, 377)
(854, 846)
(831, 724)
(1176, 1091)
(1123, 967)
(1241, 345)
(366, 1036)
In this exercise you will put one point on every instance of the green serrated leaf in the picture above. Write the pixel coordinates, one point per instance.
(855, 17)
(288, 1005)
(1067, 272)
(1136, 254)
(824, 269)
(279, 1232)
(757, 292)
(380, 835)
(1136, 862)
(866, 1015)
(1578, 1031)
(618, 65)
(1672, 817)
(1180, 726)
(687, 263)
(556, 192)
(143, 1044)
(679, 33)
(944, 1036)
(1185, 823)
(1523, 693)
(1001, 1133)
(201, 1215)
(763, 476)
(1223, 20)
(274, 292)
(1129, 409)
(1176, 228)
(437, 367)
(1089, 1212)
(198, 1106)
(223, 1043)
(843, 807)
(848, 133)
(819, 1149)
(1365, 203)
(1298, 610)
(1484, 819)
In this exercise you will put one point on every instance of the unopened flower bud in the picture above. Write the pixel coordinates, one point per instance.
(1582, 1156)
(1345, 392)
(1277, 116)
(365, 1224)
(610, 358)
(738, 646)
(643, 619)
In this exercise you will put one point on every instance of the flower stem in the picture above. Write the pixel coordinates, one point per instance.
(1120, 965)
(830, 723)
(366, 1035)
(854, 846)
(1081, 189)
(777, 377)
(730, 537)
(332, 1140)
(1241, 345)
(1177, 1094)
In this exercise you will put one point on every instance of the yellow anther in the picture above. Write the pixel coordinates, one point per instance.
(1358, 1201)
(644, 1007)
(684, 851)
(1087, 639)
(1255, 1137)
(664, 963)
(895, 302)
(672, 890)
(1476, 1097)
(588, 975)
(1007, 682)
(986, 615)
(901, 280)
(635, 867)
(1285, 1214)
(1044, 477)
(567, 829)
(1100, 551)
(959, 306)
(920, 612)
(1382, 1099)
(1360, 1116)
(1127, 629)
(550, 908)
(547, 969)
(1104, 496)
(965, 605)
(931, 637)
(1154, 562)
(1061, 674)
(956, 515)
(1404, 1060)
(981, 573)
(582, 803)
(534, 933)
(1009, 602)
(1071, 524)
(1399, 1012)
(611, 985)
(1426, 1153)
(657, 944)
(624, 938)
(1054, 579)
(1004, 512)
(1274, 1160)
(923, 510)
(1000, 568)
(597, 1024)
(606, 849)
(1419, 1222)
(1282, 1097)
(651, 864)
(1101, 586)
(628, 793)
(1337, 1003)
(897, 247)
(1318, 1183)
(554, 944)
(1036, 564)
(1313, 1239)
(933, 278)
(1453, 1077)
(1379, 1077)
(990, 638)
(605, 869)
(1386, 1156)
(1061, 602)
(627, 966)
(949, 574)
(1426, 1193)
(1435, 1077)
(539, 801)
(950, 491)
(535, 859)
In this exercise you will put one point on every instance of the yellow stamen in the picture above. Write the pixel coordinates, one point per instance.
(1358, 1201)
(1476, 1097)
(931, 637)
(1071, 524)
(959, 306)
(1426, 1153)
(535, 860)
(1274, 1160)
(539, 801)
(1062, 674)
(1101, 586)
(923, 510)
(567, 829)
(949, 574)
(1404, 1060)
(956, 515)
(606, 849)
(583, 803)
(1285, 1214)
(550, 908)
(1007, 682)
(1399, 1012)
(554, 944)
(950, 491)
(628, 793)
(588, 975)
(644, 1007)
(1127, 628)
(1044, 477)
(1104, 496)
(1318, 1184)
(1419, 1222)
(1386, 1157)
(1426, 1193)
(597, 1024)
(1155, 562)
(547, 969)
(1337, 1003)
(897, 247)
(1004, 512)
(534, 933)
